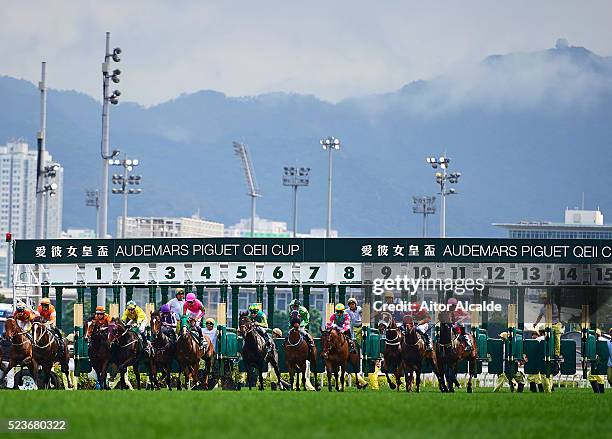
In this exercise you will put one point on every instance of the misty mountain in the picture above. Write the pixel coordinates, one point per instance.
(528, 131)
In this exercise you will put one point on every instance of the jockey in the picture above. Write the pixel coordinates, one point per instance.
(258, 317)
(101, 319)
(47, 312)
(422, 321)
(194, 309)
(168, 320)
(354, 311)
(177, 304)
(211, 331)
(304, 319)
(342, 321)
(135, 316)
(458, 316)
(23, 316)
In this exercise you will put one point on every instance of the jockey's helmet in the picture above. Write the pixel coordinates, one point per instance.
(451, 301)
(351, 300)
(20, 307)
(295, 302)
(190, 297)
(131, 304)
(45, 301)
(210, 321)
(100, 310)
(254, 308)
(179, 291)
(339, 308)
(165, 308)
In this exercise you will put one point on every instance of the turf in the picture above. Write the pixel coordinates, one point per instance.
(367, 414)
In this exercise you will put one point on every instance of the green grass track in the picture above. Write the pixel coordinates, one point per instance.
(267, 415)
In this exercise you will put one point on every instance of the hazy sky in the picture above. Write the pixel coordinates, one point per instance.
(332, 49)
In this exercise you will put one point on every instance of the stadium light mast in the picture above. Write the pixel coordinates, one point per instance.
(424, 205)
(107, 98)
(240, 150)
(329, 144)
(40, 194)
(295, 177)
(443, 179)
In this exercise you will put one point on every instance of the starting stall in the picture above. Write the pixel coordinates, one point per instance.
(504, 285)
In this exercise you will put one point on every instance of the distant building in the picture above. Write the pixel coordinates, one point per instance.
(169, 227)
(578, 224)
(265, 228)
(18, 195)
(78, 234)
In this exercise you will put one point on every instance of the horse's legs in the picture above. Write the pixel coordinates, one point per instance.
(408, 378)
(207, 371)
(303, 367)
(328, 370)
(472, 369)
(167, 374)
(342, 372)
(137, 373)
(11, 363)
(292, 376)
(260, 373)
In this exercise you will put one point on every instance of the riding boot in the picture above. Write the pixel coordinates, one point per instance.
(468, 346)
(533, 387)
(352, 347)
(427, 340)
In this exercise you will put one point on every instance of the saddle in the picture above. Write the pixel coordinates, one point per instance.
(199, 338)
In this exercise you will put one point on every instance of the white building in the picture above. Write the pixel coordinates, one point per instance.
(78, 234)
(169, 227)
(18, 194)
(578, 224)
(265, 228)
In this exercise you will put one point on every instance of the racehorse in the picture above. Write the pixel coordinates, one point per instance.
(337, 355)
(471, 357)
(413, 354)
(297, 353)
(126, 348)
(254, 353)
(446, 355)
(99, 352)
(164, 350)
(46, 350)
(189, 353)
(392, 354)
(21, 349)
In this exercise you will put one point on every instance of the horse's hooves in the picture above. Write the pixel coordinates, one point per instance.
(469, 390)
(318, 389)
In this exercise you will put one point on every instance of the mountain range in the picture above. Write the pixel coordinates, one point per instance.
(529, 132)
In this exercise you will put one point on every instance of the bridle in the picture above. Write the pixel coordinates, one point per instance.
(18, 334)
(393, 341)
(117, 338)
(300, 338)
(43, 332)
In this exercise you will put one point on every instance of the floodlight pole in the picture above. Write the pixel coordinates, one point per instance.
(329, 195)
(103, 212)
(40, 194)
(253, 198)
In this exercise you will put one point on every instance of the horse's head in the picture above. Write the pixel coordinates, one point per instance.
(11, 328)
(295, 319)
(244, 323)
(115, 328)
(155, 322)
(325, 345)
